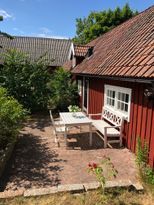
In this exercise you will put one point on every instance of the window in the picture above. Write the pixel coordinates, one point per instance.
(118, 99)
(79, 83)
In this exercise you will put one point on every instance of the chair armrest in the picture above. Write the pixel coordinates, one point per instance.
(96, 114)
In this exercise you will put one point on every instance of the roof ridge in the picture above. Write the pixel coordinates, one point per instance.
(42, 38)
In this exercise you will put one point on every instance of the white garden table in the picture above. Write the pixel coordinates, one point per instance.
(80, 119)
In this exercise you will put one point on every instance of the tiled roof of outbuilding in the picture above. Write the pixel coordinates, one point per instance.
(80, 50)
(125, 51)
(56, 50)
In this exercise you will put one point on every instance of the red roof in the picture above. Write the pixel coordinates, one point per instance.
(81, 50)
(125, 51)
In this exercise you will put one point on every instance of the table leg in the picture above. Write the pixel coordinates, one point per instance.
(90, 134)
(65, 135)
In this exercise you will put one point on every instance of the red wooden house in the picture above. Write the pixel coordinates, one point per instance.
(116, 70)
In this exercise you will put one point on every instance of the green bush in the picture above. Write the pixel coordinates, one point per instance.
(11, 116)
(141, 153)
(26, 80)
(147, 173)
(63, 91)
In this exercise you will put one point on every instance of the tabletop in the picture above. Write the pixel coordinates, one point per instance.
(70, 118)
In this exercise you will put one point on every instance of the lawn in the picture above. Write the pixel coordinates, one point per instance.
(112, 197)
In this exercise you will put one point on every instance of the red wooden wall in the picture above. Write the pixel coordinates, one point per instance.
(141, 114)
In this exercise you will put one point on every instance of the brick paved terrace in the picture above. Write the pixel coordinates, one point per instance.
(38, 162)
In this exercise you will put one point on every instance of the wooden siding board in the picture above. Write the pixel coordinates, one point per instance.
(135, 119)
(151, 151)
(140, 102)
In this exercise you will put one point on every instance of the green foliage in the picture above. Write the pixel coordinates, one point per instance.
(141, 153)
(147, 173)
(25, 80)
(11, 116)
(98, 23)
(63, 90)
(74, 108)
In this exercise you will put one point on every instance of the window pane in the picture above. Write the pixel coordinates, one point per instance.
(122, 106)
(107, 92)
(119, 96)
(123, 97)
(127, 98)
(107, 101)
(126, 107)
(113, 94)
(112, 102)
(118, 105)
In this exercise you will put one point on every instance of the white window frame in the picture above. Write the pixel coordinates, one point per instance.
(79, 84)
(114, 108)
(83, 107)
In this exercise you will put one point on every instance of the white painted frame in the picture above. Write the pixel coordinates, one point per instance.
(84, 108)
(79, 84)
(117, 89)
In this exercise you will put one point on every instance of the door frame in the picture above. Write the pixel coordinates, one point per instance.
(84, 108)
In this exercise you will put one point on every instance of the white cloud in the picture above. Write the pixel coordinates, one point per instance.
(43, 35)
(47, 33)
(5, 14)
(45, 30)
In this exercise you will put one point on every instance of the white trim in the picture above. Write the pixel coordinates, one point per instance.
(71, 51)
(122, 90)
(84, 108)
(79, 84)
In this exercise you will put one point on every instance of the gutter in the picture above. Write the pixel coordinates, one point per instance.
(128, 79)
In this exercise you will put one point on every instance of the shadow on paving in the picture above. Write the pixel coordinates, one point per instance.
(34, 123)
(33, 163)
(82, 141)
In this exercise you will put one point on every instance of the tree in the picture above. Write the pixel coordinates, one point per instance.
(3, 33)
(26, 80)
(98, 23)
(63, 90)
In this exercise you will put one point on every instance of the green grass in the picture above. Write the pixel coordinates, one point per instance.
(112, 197)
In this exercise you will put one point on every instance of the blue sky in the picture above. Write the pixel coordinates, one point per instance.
(54, 18)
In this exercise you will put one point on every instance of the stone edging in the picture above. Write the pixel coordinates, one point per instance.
(71, 188)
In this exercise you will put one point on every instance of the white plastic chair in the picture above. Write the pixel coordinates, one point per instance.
(58, 126)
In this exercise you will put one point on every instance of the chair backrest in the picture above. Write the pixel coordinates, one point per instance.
(112, 117)
(52, 120)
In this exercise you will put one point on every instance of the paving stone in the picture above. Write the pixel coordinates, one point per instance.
(41, 191)
(91, 186)
(119, 183)
(11, 194)
(71, 188)
(138, 186)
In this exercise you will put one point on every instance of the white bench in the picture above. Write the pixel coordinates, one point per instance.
(109, 127)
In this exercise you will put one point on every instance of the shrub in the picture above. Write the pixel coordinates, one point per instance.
(147, 173)
(26, 80)
(63, 91)
(11, 116)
